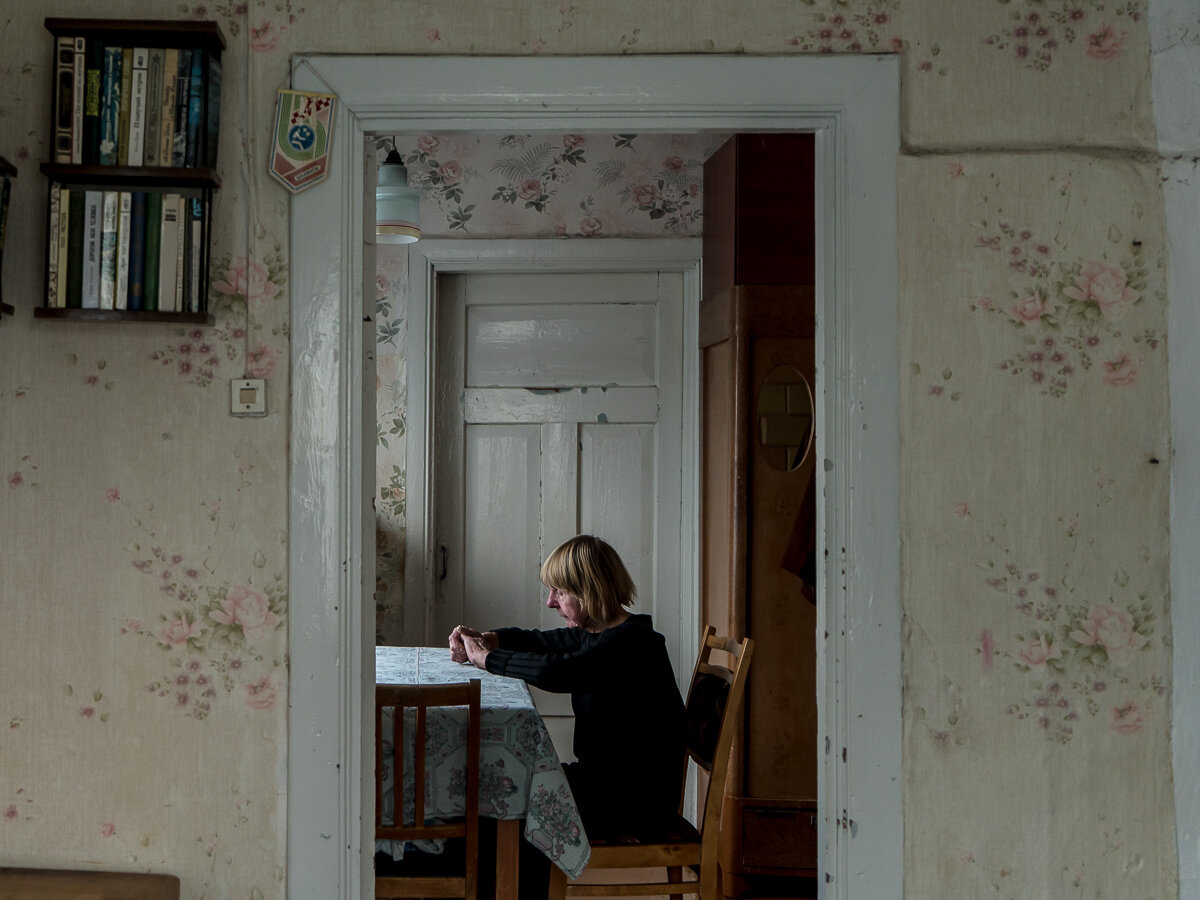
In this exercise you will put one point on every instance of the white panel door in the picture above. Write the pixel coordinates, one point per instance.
(558, 411)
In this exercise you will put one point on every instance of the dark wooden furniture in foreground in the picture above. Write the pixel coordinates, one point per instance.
(758, 512)
(713, 708)
(421, 698)
(65, 884)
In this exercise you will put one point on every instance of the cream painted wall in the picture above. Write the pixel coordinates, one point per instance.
(144, 531)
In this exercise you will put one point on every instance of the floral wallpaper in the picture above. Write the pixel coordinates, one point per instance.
(552, 185)
(144, 530)
(391, 399)
(1036, 599)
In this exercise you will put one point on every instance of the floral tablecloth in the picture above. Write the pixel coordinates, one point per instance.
(520, 773)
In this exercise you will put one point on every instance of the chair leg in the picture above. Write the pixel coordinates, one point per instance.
(558, 883)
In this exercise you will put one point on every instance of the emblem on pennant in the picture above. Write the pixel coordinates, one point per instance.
(303, 127)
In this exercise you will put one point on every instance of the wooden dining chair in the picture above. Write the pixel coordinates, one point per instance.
(421, 698)
(714, 702)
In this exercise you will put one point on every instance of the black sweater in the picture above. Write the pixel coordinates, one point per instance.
(629, 717)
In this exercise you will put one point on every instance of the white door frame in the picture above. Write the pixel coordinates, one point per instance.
(852, 103)
(429, 259)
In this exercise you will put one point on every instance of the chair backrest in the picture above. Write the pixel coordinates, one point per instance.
(390, 735)
(713, 707)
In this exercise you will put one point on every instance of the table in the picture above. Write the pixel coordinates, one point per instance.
(520, 774)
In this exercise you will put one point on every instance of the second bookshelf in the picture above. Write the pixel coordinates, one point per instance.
(124, 248)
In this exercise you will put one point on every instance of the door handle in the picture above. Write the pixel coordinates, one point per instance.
(442, 567)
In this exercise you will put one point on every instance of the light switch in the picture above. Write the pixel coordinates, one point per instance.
(248, 397)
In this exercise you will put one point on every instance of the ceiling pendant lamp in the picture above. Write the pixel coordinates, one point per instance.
(397, 206)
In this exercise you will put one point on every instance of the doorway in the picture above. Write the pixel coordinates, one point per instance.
(565, 401)
(852, 105)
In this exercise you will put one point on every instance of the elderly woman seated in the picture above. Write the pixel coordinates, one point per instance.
(629, 716)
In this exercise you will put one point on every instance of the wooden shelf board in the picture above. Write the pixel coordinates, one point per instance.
(122, 315)
(167, 32)
(150, 176)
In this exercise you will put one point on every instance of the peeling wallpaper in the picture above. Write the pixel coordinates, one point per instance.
(144, 531)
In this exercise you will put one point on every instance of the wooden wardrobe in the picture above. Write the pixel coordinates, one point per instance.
(757, 489)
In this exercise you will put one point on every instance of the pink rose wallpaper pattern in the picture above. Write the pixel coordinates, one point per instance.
(1037, 605)
(1078, 658)
(217, 640)
(557, 185)
(1037, 33)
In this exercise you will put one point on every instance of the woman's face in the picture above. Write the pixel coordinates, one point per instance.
(568, 607)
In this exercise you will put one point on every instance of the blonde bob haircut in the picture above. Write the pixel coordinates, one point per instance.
(591, 570)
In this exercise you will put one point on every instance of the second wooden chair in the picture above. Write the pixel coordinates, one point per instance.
(713, 705)
(421, 699)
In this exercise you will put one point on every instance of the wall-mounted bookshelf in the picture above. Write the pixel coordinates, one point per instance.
(135, 114)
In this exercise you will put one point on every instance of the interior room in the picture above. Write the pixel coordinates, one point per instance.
(161, 532)
(652, 188)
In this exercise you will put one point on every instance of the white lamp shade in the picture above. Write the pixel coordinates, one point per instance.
(397, 206)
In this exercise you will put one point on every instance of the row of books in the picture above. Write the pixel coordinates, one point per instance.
(137, 250)
(135, 106)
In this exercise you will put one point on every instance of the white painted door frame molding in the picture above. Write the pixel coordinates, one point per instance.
(852, 103)
(1175, 69)
(430, 258)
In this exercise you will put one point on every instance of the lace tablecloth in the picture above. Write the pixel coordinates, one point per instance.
(520, 773)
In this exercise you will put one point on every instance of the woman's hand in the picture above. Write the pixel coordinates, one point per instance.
(462, 634)
(477, 650)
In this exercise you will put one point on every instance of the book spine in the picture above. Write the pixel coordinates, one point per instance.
(109, 217)
(212, 111)
(64, 247)
(166, 112)
(93, 202)
(154, 86)
(93, 101)
(196, 92)
(137, 251)
(154, 206)
(185, 255)
(78, 100)
(182, 96)
(110, 236)
(77, 225)
(195, 255)
(180, 252)
(137, 106)
(126, 102)
(168, 252)
(110, 107)
(52, 246)
(124, 213)
(64, 98)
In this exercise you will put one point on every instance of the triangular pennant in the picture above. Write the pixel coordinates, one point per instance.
(303, 130)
